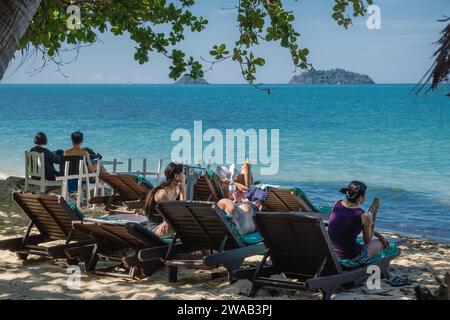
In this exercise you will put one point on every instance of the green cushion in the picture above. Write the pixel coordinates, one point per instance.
(110, 218)
(388, 252)
(252, 238)
(323, 209)
(167, 239)
(143, 180)
(243, 239)
(76, 211)
(215, 182)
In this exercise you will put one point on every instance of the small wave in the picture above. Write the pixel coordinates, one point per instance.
(3, 176)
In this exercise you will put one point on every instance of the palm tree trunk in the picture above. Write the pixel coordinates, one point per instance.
(15, 17)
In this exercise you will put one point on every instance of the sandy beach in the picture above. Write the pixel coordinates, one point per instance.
(38, 278)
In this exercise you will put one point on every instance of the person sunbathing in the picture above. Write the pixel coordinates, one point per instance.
(242, 181)
(242, 210)
(346, 222)
(171, 189)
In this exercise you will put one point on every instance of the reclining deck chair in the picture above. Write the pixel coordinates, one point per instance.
(208, 187)
(52, 217)
(299, 248)
(204, 226)
(292, 200)
(120, 242)
(127, 190)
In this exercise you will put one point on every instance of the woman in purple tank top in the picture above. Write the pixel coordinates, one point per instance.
(346, 222)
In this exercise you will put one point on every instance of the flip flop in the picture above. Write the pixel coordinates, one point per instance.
(399, 282)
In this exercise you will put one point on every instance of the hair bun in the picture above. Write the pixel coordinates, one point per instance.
(343, 190)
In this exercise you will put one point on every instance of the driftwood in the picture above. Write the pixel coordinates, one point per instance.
(443, 293)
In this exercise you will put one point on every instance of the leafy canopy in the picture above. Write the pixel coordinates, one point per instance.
(158, 26)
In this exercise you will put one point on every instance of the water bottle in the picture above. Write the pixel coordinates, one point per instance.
(231, 189)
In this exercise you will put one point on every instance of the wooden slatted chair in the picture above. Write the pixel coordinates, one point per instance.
(126, 191)
(52, 217)
(291, 200)
(202, 226)
(208, 188)
(299, 248)
(118, 242)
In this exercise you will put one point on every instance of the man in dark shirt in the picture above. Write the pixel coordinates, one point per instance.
(40, 140)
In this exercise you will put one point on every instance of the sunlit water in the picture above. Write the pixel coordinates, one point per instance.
(383, 135)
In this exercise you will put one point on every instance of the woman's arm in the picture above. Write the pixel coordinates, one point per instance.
(367, 227)
(382, 239)
(89, 163)
(239, 186)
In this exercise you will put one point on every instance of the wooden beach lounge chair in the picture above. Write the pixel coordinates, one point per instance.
(208, 187)
(118, 240)
(128, 190)
(292, 200)
(204, 226)
(52, 217)
(299, 248)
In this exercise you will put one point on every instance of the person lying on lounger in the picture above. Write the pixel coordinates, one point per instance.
(242, 181)
(171, 189)
(346, 222)
(243, 208)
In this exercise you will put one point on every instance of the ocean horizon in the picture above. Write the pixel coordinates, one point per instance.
(382, 134)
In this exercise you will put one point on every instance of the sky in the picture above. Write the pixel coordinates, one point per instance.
(400, 52)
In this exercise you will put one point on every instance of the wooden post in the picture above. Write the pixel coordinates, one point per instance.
(144, 167)
(129, 165)
(159, 170)
(114, 165)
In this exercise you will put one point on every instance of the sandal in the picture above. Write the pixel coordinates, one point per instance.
(399, 282)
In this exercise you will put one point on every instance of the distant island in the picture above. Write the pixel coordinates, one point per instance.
(335, 76)
(186, 79)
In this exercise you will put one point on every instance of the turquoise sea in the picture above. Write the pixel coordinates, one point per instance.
(397, 143)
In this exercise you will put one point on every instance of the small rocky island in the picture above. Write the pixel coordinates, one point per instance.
(334, 76)
(186, 79)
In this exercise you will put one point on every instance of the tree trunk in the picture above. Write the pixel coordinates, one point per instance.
(15, 17)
